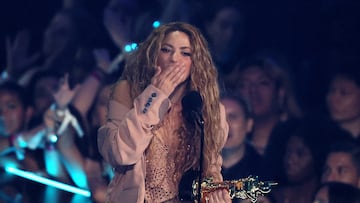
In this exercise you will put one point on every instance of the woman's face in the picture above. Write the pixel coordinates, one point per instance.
(340, 167)
(239, 125)
(12, 113)
(298, 160)
(343, 100)
(175, 50)
(260, 91)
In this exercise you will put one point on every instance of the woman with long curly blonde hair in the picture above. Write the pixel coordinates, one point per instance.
(148, 138)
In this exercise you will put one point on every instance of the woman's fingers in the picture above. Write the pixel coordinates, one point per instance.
(167, 79)
(219, 196)
(157, 71)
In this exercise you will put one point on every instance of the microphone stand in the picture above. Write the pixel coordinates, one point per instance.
(200, 121)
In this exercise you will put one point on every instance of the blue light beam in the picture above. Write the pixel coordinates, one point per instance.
(156, 24)
(46, 181)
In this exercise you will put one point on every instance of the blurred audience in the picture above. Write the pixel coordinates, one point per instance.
(302, 164)
(343, 164)
(337, 193)
(267, 88)
(15, 113)
(86, 43)
(240, 159)
(223, 26)
(64, 47)
(41, 89)
(343, 99)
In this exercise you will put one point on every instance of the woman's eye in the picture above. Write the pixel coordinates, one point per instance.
(165, 50)
(186, 53)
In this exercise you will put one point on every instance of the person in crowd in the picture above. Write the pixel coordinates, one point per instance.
(266, 86)
(41, 88)
(91, 102)
(15, 113)
(223, 25)
(149, 137)
(343, 164)
(240, 159)
(98, 171)
(262, 82)
(55, 137)
(302, 164)
(343, 100)
(62, 124)
(65, 49)
(62, 143)
(334, 192)
(130, 22)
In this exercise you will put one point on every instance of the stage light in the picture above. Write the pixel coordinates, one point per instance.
(156, 24)
(130, 47)
(46, 181)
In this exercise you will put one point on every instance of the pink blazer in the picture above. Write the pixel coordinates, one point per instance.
(125, 136)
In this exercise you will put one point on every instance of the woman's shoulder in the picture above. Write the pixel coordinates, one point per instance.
(121, 85)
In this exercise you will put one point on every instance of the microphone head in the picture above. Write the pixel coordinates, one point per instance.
(192, 101)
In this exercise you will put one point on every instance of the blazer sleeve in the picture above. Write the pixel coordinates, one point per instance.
(126, 134)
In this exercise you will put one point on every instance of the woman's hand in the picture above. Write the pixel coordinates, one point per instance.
(64, 95)
(167, 79)
(219, 196)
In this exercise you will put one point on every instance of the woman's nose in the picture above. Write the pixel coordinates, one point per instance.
(175, 57)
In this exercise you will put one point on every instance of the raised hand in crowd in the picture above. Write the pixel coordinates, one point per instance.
(17, 54)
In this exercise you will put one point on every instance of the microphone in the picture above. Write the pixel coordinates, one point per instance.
(192, 104)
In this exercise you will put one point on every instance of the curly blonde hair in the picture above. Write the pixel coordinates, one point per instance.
(140, 68)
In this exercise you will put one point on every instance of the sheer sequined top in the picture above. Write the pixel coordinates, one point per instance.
(163, 158)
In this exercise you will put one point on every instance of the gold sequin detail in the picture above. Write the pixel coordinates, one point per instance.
(163, 173)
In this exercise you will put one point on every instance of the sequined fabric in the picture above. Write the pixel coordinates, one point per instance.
(163, 173)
